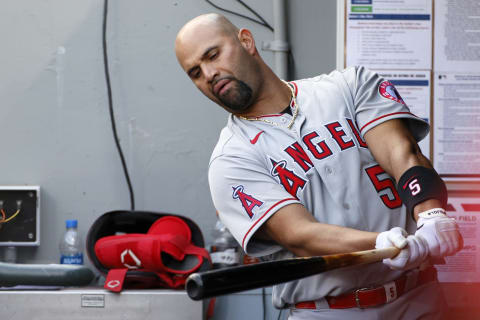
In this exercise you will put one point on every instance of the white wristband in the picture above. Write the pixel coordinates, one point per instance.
(435, 212)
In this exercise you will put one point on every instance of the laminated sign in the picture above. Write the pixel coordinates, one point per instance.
(464, 266)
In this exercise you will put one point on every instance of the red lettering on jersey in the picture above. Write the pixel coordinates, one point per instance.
(383, 185)
(248, 202)
(299, 156)
(357, 135)
(324, 149)
(338, 135)
(290, 181)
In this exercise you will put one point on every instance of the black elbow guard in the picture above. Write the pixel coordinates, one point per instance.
(418, 184)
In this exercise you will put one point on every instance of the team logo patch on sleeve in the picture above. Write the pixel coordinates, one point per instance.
(248, 202)
(388, 90)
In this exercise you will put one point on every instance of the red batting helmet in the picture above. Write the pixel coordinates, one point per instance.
(141, 249)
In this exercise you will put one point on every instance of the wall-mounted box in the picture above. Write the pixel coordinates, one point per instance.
(19, 215)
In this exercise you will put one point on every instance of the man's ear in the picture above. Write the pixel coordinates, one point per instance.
(246, 39)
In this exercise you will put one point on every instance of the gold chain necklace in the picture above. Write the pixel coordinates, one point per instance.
(295, 111)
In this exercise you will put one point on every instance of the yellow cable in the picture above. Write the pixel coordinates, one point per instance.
(13, 216)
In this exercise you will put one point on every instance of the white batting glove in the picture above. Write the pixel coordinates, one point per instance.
(414, 249)
(440, 232)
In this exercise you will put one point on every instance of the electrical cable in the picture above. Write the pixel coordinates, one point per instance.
(291, 63)
(4, 216)
(261, 22)
(110, 105)
(10, 218)
(265, 23)
(264, 304)
(280, 314)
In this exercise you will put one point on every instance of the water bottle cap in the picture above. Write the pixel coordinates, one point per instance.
(71, 223)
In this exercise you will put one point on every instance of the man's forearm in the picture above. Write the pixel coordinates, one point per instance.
(295, 229)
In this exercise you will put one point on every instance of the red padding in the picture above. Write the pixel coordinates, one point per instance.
(170, 235)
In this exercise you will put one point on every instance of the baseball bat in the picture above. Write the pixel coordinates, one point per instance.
(218, 282)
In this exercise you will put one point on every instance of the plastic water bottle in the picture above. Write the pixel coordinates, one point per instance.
(224, 251)
(71, 249)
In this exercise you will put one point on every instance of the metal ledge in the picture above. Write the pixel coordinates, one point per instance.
(93, 303)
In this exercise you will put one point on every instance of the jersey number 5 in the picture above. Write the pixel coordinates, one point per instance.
(384, 184)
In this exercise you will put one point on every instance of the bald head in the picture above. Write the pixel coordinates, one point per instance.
(221, 60)
(210, 24)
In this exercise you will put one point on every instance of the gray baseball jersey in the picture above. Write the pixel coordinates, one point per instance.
(323, 163)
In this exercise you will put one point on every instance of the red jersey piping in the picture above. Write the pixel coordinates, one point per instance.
(270, 115)
(276, 204)
(386, 115)
(295, 86)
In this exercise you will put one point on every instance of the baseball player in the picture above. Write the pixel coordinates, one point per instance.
(321, 166)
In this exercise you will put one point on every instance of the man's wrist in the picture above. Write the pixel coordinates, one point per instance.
(430, 214)
(435, 212)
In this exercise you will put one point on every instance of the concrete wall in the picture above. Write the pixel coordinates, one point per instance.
(54, 111)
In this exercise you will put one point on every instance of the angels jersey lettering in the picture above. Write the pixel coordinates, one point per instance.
(322, 163)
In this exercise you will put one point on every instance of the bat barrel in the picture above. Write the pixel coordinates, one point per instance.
(247, 277)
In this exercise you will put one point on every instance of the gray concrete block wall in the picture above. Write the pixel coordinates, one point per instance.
(54, 111)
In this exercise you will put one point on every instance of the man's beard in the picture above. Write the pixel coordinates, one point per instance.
(238, 97)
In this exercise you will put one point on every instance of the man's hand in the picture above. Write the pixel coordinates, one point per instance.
(414, 249)
(440, 232)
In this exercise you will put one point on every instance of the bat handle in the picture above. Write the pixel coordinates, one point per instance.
(387, 253)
